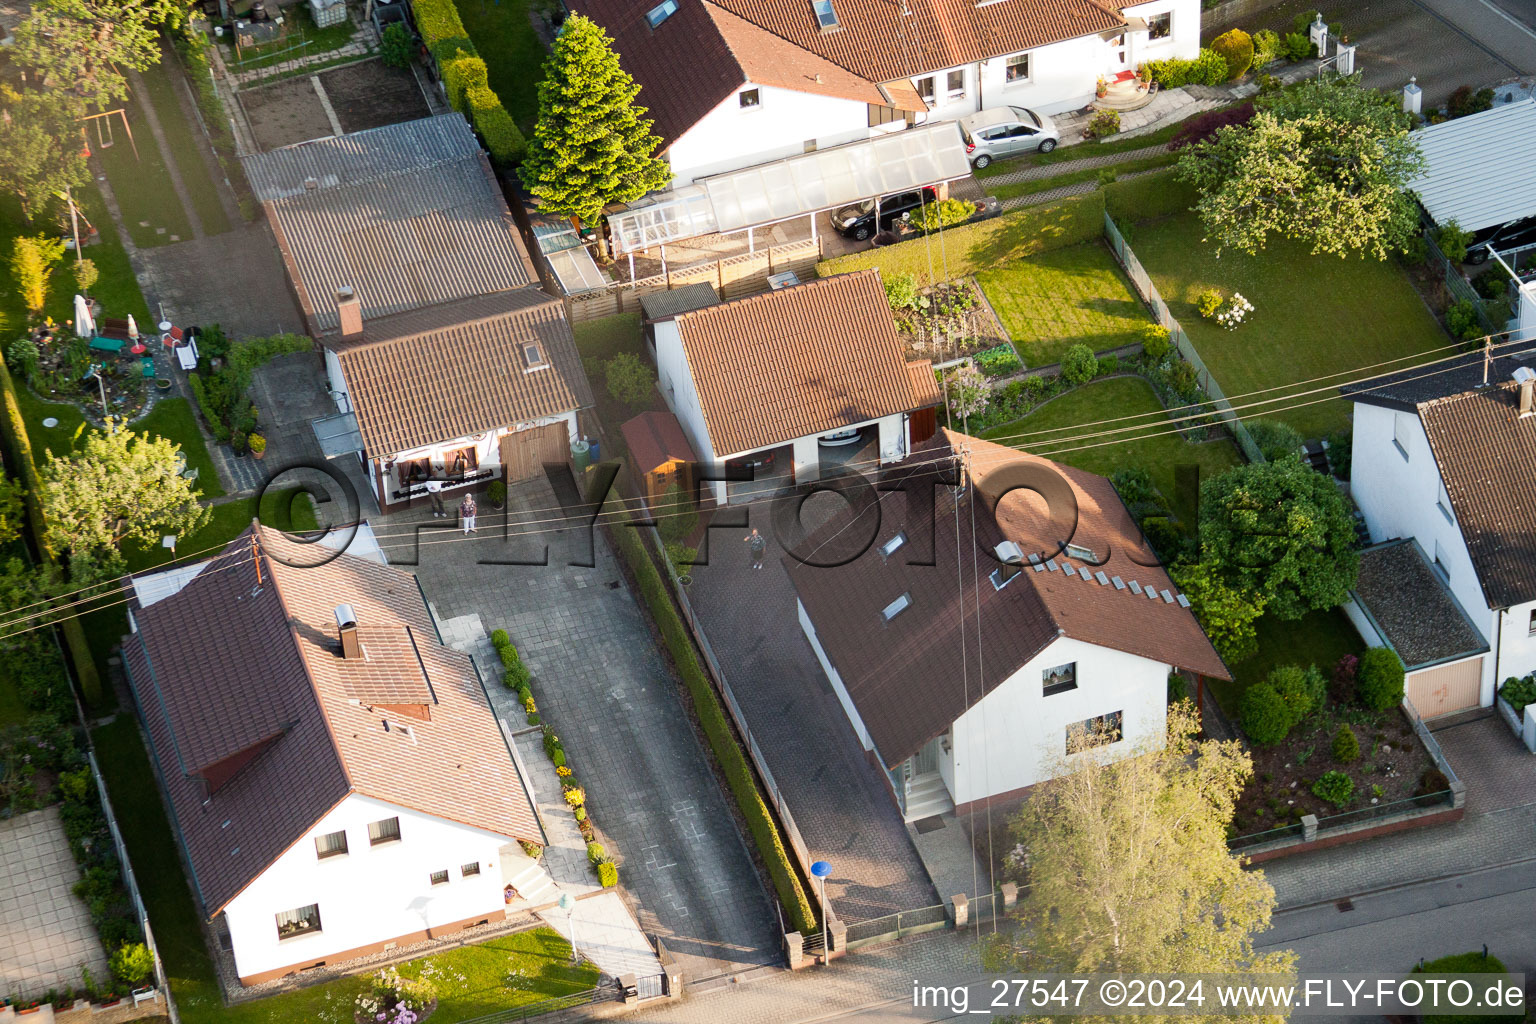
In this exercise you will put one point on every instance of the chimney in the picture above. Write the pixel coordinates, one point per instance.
(1527, 381)
(350, 310)
(346, 625)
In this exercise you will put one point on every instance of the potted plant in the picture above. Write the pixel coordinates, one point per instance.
(1101, 89)
(241, 443)
(26, 1008)
(258, 446)
(496, 494)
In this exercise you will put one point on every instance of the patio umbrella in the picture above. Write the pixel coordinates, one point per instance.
(133, 328)
(85, 326)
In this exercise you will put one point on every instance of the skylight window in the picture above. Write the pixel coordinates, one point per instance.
(826, 15)
(534, 353)
(661, 12)
(1081, 553)
(896, 607)
(893, 545)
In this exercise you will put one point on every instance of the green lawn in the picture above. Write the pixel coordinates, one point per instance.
(471, 979)
(1318, 638)
(504, 35)
(117, 289)
(1313, 316)
(1108, 399)
(1029, 188)
(152, 213)
(599, 341)
(186, 142)
(1052, 300)
(172, 418)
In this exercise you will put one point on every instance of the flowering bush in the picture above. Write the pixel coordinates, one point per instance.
(1208, 303)
(576, 796)
(393, 999)
(1234, 312)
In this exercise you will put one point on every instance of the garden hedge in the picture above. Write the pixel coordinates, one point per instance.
(717, 729)
(18, 457)
(464, 76)
(984, 244)
(1148, 196)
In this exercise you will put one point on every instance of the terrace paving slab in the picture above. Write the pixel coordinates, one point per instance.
(46, 933)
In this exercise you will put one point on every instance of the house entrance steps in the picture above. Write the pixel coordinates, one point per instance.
(927, 796)
(527, 878)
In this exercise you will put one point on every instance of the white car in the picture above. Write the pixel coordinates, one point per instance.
(1006, 131)
(840, 437)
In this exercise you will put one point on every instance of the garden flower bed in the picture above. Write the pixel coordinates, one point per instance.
(947, 321)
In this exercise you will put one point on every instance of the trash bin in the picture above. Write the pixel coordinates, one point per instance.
(595, 450)
(581, 455)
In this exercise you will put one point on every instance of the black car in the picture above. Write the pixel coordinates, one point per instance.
(858, 221)
(1513, 235)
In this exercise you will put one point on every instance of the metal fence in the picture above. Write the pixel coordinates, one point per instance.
(608, 991)
(986, 908)
(1460, 288)
(1149, 294)
(1404, 809)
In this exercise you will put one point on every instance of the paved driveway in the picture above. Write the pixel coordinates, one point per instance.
(838, 800)
(602, 683)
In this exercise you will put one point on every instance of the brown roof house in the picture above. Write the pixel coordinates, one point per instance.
(971, 688)
(777, 387)
(444, 357)
(733, 83)
(336, 778)
(1444, 458)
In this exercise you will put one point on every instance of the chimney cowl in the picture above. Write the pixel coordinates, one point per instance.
(1526, 378)
(346, 628)
(349, 310)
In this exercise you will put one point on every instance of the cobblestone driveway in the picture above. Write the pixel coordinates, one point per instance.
(601, 682)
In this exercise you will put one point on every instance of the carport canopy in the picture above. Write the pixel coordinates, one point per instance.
(795, 187)
(338, 434)
(1477, 169)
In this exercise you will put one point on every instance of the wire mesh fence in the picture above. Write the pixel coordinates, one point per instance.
(1150, 295)
(1455, 283)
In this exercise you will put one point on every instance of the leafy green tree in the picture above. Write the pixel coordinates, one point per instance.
(86, 275)
(1452, 241)
(13, 511)
(32, 261)
(40, 150)
(1326, 163)
(132, 963)
(629, 380)
(1228, 615)
(1280, 530)
(395, 46)
(81, 48)
(118, 486)
(1129, 867)
(592, 145)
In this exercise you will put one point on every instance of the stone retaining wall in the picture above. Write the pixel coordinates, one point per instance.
(84, 1013)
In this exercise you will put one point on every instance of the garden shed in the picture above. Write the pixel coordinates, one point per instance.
(659, 454)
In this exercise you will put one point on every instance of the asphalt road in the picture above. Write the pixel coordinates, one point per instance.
(1523, 11)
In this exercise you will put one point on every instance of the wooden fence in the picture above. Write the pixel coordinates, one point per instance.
(732, 278)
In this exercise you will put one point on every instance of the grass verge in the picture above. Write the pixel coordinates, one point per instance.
(152, 212)
(1029, 188)
(514, 55)
(185, 141)
(1053, 300)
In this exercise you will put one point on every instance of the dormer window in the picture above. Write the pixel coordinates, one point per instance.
(826, 15)
(1004, 575)
(893, 545)
(1082, 554)
(533, 352)
(661, 12)
(896, 607)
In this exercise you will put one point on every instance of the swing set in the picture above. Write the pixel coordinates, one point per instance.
(105, 130)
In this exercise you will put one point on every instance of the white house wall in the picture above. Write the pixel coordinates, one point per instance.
(1014, 735)
(1396, 482)
(372, 894)
(783, 122)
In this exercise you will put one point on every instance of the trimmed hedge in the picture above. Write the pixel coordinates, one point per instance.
(717, 729)
(1148, 196)
(608, 874)
(502, 139)
(984, 244)
(465, 79)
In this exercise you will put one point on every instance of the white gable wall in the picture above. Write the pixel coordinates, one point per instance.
(1396, 482)
(675, 379)
(732, 136)
(370, 895)
(1015, 735)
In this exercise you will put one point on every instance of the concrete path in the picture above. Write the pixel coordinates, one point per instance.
(46, 934)
(605, 932)
(601, 681)
(167, 155)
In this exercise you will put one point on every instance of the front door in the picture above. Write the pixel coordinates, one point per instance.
(1119, 54)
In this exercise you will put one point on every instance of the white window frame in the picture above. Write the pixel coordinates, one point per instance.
(1028, 59)
(950, 93)
(1092, 740)
(332, 854)
(757, 99)
(294, 916)
(1166, 37)
(932, 83)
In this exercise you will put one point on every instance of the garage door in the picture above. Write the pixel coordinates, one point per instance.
(524, 452)
(1446, 688)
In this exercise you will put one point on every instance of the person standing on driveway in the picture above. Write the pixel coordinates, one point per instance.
(758, 544)
(467, 512)
(435, 492)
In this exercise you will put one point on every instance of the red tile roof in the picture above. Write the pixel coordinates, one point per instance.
(800, 361)
(905, 676)
(452, 371)
(256, 636)
(655, 439)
